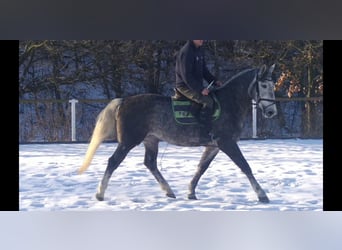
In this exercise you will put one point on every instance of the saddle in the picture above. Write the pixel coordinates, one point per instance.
(186, 111)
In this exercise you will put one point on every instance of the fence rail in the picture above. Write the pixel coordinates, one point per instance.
(278, 99)
(44, 119)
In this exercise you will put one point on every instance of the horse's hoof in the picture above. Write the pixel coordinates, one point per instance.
(192, 197)
(99, 197)
(264, 199)
(172, 195)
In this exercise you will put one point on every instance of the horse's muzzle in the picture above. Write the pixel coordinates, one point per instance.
(270, 112)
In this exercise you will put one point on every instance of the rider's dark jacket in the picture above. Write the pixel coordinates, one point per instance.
(191, 68)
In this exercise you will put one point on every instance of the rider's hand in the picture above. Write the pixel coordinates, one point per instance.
(205, 91)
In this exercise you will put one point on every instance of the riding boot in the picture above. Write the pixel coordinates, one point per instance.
(205, 124)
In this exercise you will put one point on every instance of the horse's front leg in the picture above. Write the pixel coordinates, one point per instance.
(231, 148)
(207, 157)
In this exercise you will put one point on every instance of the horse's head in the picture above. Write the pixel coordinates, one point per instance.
(262, 91)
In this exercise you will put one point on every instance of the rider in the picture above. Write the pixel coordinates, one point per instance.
(191, 70)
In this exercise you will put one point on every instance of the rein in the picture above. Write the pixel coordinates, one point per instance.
(250, 87)
(232, 78)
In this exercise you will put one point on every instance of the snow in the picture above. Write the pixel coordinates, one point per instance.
(289, 170)
(53, 198)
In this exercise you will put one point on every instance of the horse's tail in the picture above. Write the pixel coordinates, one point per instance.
(105, 127)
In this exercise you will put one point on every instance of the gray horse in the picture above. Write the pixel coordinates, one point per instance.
(150, 118)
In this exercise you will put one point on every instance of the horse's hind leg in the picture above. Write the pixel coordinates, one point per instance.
(150, 161)
(233, 151)
(113, 162)
(207, 157)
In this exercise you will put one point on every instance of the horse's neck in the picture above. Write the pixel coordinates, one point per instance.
(237, 91)
(239, 85)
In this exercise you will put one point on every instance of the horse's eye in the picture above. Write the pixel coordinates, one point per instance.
(264, 86)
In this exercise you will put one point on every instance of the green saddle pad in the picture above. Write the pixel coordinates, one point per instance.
(182, 114)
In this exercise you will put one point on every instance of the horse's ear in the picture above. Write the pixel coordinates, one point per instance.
(262, 71)
(270, 70)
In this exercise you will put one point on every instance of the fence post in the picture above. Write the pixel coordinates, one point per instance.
(254, 119)
(73, 118)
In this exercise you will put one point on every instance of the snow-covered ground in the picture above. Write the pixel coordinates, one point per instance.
(290, 171)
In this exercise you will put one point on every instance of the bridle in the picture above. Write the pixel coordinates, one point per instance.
(255, 83)
(250, 87)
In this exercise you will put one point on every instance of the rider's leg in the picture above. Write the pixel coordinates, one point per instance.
(204, 117)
